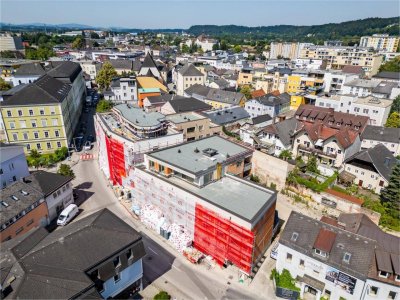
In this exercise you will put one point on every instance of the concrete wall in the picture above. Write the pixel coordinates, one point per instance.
(270, 169)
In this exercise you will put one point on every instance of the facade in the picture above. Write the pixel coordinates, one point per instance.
(270, 104)
(13, 165)
(374, 135)
(339, 57)
(11, 43)
(334, 80)
(284, 50)
(188, 76)
(382, 42)
(302, 83)
(193, 125)
(205, 43)
(148, 86)
(245, 77)
(371, 168)
(22, 209)
(28, 73)
(191, 186)
(90, 67)
(62, 257)
(122, 90)
(224, 99)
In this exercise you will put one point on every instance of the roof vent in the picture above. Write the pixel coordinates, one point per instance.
(25, 193)
(179, 151)
(15, 198)
(210, 152)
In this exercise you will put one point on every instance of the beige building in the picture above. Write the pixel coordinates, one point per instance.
(11, 43)
(338, 57)
(381, 42)
(245, 77)
(286, 50)
(193, 125)
(188, 76)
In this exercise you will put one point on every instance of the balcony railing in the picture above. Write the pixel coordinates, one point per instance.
(317, 151)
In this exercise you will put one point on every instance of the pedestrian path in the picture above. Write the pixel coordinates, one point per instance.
(86, 156)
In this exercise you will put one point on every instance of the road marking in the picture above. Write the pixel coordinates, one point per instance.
(153, 251)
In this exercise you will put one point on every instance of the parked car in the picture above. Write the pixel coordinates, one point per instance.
(86, 110)
(67, 214)
(90, 138)
(274, 251)
(88, 145)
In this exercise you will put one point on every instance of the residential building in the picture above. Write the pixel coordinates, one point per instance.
(338, 57)
(301, 81)
(271, 104)
(283, 50)
(122, 90)
(231, 117)
(11, 43)
(387, 76)
(63, 263)
(90, 67)
(325, 260)
(380, 42)
(28, 73)
(192, 187)
(193, 125)
(374, 135)
(205, 43)
(182, 104)
(386, 90)
(43, 115)
(56, 190)
(335, 79)
(13, 165)
(22, 208)
(125, 134)
(148, 87)
(245, 77)
(188, 76)
(359, 87)
(371, 168)
(154, 103)
(125, 67)
(224, 99)
(253, 125)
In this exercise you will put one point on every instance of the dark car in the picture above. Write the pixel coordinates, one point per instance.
(90, 138)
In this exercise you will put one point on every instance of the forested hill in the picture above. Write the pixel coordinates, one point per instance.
(288, 32)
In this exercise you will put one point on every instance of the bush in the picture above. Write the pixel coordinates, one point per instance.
(162, 296)
(389, 217)
(284, 280)
(254, 178)
(35, 159)
(314, 185)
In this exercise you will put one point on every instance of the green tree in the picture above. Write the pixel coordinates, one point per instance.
(246, 91)
(34, 153)
(66, 170)
(8, 54)
(94, 35)
(390, 195)
(105, 75)
(162, 296)
(237, 49)
(312, 165)
(4, 86)
(393, 121)
(224, 45)
(391, 66)
(285, 155)
(215, 47)
(185, 48)
(78, 43)
(395, 105)
(104, 106)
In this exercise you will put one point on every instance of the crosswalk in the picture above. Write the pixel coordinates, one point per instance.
(87, 156)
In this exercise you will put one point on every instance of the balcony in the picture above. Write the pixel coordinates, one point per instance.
(317, 152)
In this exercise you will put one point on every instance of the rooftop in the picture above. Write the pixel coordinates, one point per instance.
(380, 133)
(227, 115)
(191, 157)
(184, 117)
(46, 182)
(138, 117)
(364, 83)
(373, 101)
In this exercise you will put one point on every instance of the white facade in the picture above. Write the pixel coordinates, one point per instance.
(90, 68)
(17, 80)
(255, 108)
(59, 200)
(206, 44)
(380, 42)
(184, 82)
(13, 165)
(309, 64)
(334, 81)
(277, 145)
(378, 290)
(125, 92)
(366, 178)
(393, 147)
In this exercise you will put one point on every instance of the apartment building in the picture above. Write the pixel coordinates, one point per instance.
(205, 43)
(334, 80)
(285, 50)
(338, 57)
(122, 90)
(28, 73)
(297, 83)
(193, 125)
(90, 67)
(374, 135)
(382, 42)
(371, 168)
(13, 165)
(188, 76)
(64, 263)
(271, 104)
(245, 77)
(192, 185)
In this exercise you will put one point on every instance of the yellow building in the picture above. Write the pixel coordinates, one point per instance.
(296, 101)
(42, 116)
(297, 84)
(222, 99)
(381, 42)
(245, 77)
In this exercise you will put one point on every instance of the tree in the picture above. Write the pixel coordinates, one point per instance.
(162, 296)
(94, 35)
(104, 106)
(393, 121)
(224, 45)
(78, 43)
(4, 86)
(395, 105)
(285, 155)
(185, 48)
(215, 47)
(66, 170)
(246, 91)
(391, 66)
(105, 75)
(237, 49)
(34, 153)
(390, 195)
(312, 165)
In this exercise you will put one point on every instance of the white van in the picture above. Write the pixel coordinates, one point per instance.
(67, 214)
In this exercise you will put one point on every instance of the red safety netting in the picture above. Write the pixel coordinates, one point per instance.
(222, 239)
(116, 160)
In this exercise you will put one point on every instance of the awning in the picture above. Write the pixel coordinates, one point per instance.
(310, 281)
(346, 176)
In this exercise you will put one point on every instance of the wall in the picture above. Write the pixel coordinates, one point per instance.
(370, 180)
(63, 199)
(270, 169)
(393, 147)
(383, 292)
(13, 163)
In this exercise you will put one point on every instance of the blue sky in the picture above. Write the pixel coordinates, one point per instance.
(183, 14)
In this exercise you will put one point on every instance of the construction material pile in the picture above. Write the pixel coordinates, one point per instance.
(151, 216)
(179, 238)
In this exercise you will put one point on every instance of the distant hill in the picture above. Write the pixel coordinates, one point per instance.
(286, 32)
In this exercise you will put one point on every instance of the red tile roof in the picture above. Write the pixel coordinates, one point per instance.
(325, 240)
(329, 221)
(258, 93)
(344, 196)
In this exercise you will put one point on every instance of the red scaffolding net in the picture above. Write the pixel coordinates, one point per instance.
(223, 239)
(116, 160)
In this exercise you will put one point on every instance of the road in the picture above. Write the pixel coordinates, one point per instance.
(164, 268)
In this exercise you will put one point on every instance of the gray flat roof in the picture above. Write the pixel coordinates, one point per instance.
(240, 198)
(139, 117)
(187, 159)
(184, 117)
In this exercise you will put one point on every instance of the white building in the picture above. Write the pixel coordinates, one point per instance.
(13, 165)
(334, 80)
(188, 76)
(122, 90)
(90, 67)
(374, 135)
(27, 73)
(205, 43)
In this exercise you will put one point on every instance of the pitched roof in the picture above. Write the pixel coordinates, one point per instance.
(149, 62)
(59, 263)
(261, 119)
(46, 182)
(66, 71)
(227, 115)
(284, 129)
(272, 99)
(352, 69)
(45, 90)
(30, 70)
(385, 87)
(190, 70)
(388, 75)
(380, 133)
(148, 82)
(325, 240)
(121, 63)
(344, 196)
(188, 104)
(223, 96)
(198, 89)
(379, 157)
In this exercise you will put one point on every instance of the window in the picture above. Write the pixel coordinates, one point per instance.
(1, 171)
(52, 110)
(36, 135)
(57, 133)
(392, 295)
(46, 134)
(373, 291)
(29, 222)
(19, 230)
(201, 127)
(31, 112)
(294, 237)
(383, 274)
(12, 125)
(28, 146)
(55, 122)
(22, 124)
(41, 111)
(20, 113)
(33, 123)
(346, 257)
(48, 145)
(38, 146)
(15, 136)
(116, 262)
(9, 114)
(289, 257)
(190, 129)
(44, 123)
(54, 195)
(319, 252)
(397, 278)
(58, 144)
(339, 151)
(117, 278)
(301, 263)
(129, 254)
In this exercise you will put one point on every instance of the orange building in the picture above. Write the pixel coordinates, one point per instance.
(147, 87)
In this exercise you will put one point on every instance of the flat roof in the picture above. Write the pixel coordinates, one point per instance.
(184, 117)
(373, 101)
(138, 117)
(186, 156)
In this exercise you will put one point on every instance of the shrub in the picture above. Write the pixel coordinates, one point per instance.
(163, 295)
(254, 178)
(284, 280)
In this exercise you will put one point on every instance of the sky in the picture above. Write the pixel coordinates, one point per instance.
(183, 14)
